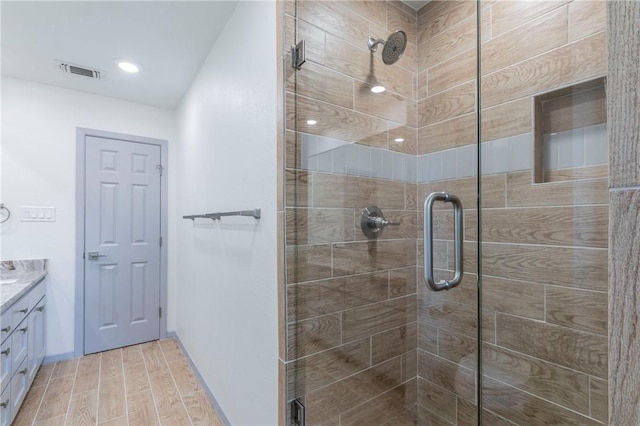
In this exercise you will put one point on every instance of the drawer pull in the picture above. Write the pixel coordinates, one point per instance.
(24, 329)
(23, 371)
(4, 404)
(23, 311)
(6, 352)
(40, 309)
(6, 329)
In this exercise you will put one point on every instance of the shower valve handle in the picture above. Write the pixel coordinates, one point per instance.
(377, 222)
(372, 222)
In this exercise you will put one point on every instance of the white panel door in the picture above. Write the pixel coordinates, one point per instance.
(122, 243)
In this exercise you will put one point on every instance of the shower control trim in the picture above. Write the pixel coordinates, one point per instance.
(372, 222)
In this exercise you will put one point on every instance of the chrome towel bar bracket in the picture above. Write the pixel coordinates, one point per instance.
(428, 240)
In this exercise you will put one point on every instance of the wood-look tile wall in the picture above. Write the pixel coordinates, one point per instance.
(351, 303)
(624, 257)
(544, 246)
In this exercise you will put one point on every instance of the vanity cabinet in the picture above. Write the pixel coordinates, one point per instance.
(22, 349)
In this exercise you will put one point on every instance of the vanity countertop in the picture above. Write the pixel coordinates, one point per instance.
(17, 277)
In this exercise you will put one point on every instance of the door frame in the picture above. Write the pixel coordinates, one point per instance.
(81, 135)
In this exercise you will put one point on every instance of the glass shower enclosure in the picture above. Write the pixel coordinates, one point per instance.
(446, 212)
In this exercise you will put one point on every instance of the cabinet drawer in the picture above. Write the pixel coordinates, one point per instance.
(5, 407)
(36, 293)
(19, 345)
(5, 364)
(19, 311)
(6, 324)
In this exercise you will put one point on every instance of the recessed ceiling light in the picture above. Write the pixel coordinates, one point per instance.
(398, 140)
(378, 89)
(128, 66)
(312, 122)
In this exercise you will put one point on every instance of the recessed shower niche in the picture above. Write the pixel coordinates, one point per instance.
(570, 133)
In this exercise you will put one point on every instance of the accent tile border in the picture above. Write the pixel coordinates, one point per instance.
(511, 154)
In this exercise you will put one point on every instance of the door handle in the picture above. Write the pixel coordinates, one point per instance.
(428, 240)
(94, 255)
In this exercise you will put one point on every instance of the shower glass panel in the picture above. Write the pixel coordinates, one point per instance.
(545, 212)
(382, 114)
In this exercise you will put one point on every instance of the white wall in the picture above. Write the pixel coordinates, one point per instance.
(38, 169)
(227, 286)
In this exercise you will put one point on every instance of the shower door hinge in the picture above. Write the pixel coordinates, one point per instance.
(297, 55)
(160, 312)
(297, 413)
(160, 240)
(160, 168)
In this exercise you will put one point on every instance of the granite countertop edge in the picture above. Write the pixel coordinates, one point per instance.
(25, 282)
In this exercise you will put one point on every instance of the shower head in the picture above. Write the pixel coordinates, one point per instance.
(394, 46)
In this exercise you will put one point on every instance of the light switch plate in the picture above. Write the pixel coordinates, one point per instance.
(37, 214)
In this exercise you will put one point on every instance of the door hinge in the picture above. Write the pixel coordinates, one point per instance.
(160, 311)
(160, 168)
(160, 240)
(298, 55)
(297, 413)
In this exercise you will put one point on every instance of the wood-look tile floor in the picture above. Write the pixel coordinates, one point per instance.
(147, 384)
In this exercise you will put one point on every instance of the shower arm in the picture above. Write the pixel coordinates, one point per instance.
(373, 43)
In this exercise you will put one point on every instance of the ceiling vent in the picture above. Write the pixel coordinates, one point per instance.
(68, 68)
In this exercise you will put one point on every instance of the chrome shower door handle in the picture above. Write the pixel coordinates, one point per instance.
(428, 240)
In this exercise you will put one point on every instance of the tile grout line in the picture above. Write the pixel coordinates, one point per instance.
(153, 396)
(46, 388)
(543, 398)
(124, 380)
(590, 414)
(175, 383)
(99, 386)
(75, 375)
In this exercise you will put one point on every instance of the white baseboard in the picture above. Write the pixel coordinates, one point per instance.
(207, 391)
(59, 357)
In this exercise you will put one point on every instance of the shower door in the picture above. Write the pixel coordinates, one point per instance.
(368, 340)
